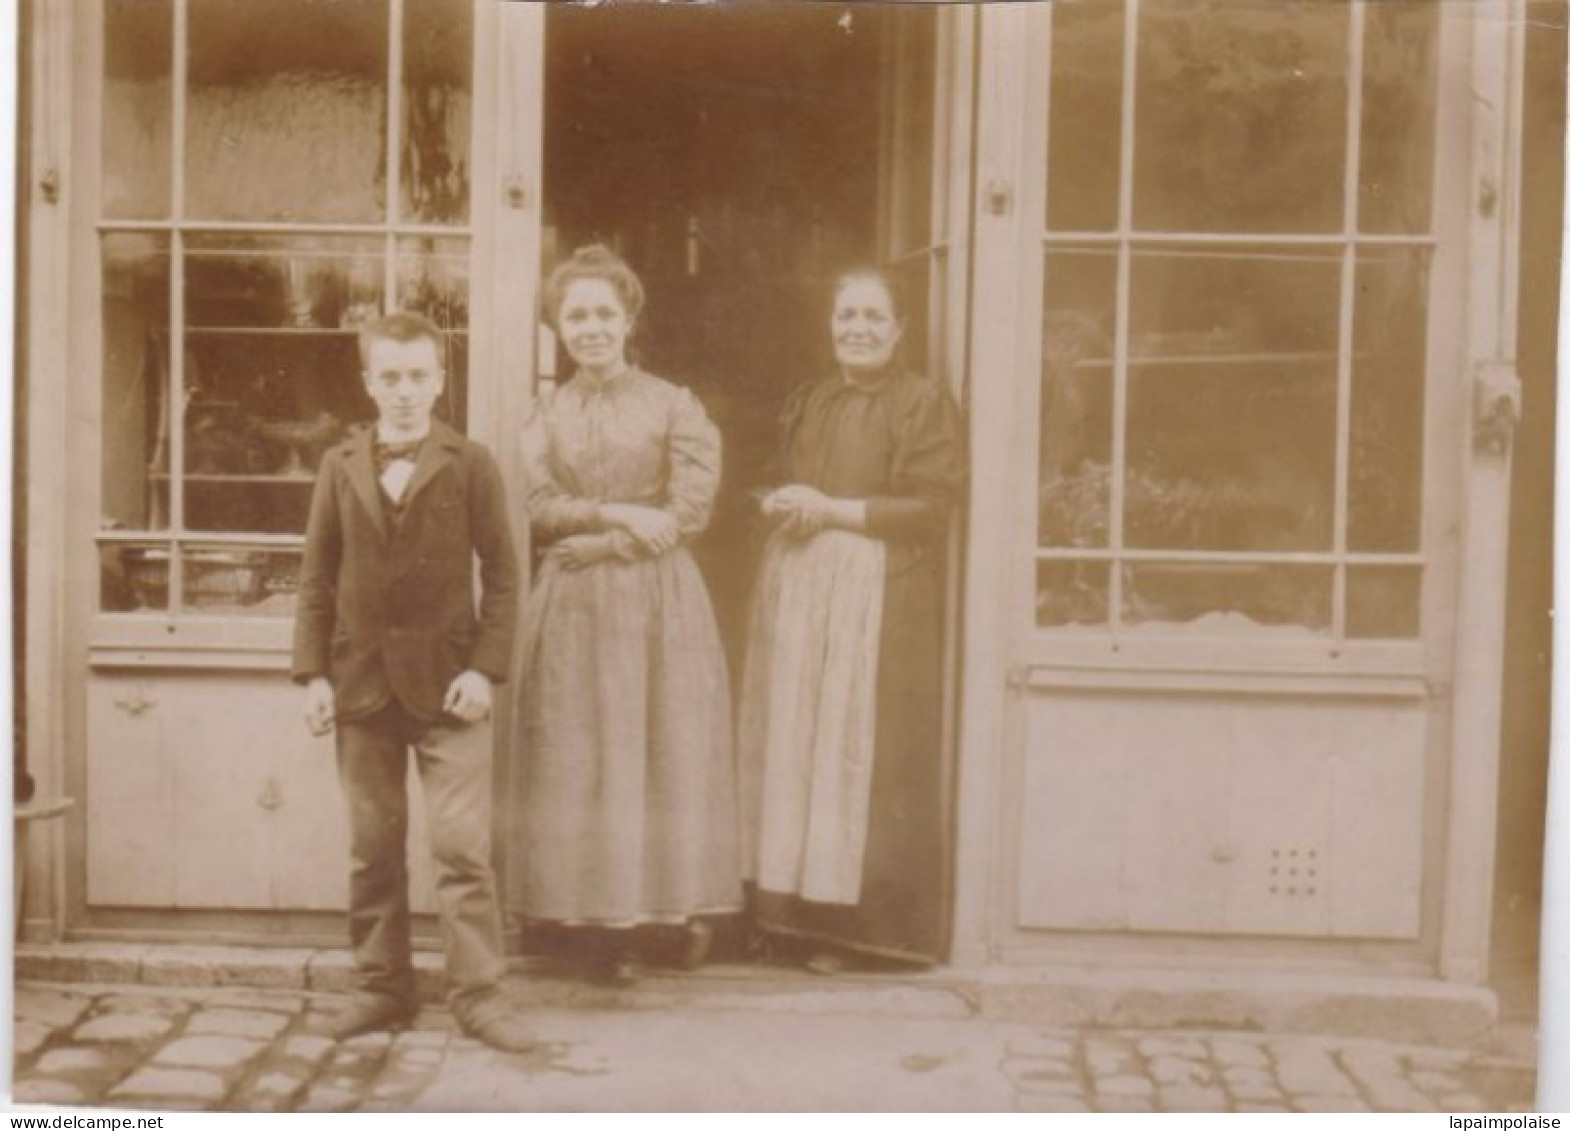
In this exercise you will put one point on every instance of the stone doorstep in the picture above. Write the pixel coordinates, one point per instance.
(1419, 1012)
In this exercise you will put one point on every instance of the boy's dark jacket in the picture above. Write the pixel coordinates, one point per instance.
(388, 610)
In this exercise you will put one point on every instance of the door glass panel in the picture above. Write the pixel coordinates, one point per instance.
(1071, 593)
(1383, 602)
(1400, 81)
(913, 143)
(1076, 396)
(137, 108)
(438, 59)
(1240, 119)
(286, 117)
(1085, 127)
(1385, 474)
(1221, 599)
(227, 581)
(134, 480)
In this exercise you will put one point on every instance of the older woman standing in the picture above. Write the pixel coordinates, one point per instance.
(840, 717)
(625, 790)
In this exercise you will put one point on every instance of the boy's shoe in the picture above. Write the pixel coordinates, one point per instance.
(494, 1020)
(372, 1014)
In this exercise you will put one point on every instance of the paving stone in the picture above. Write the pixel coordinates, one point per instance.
(1042, 1044)
(237, 1023)
(51, 1008)
(1171, 1070)
(1328, 1103)
(1435, 1083)
(1188, 1048)
(1258, 1108)
(1240, 1054)
(265, 1002)
(1129, 1104)
(1263, 1091)
(145, 1003)
(221, 1053)
(1303, 1068)
(71, 1060)
(420, 1056)
(170, 1084)
(1192, 1099)
(1464, 1102)
(276, 1089)
(60, 1092)
(1379, 1072)
(1049, 1102)
(27, 1037)
(309, 1047)
(423, 1037)
(329, 1099)
(1037, 1070)
(123, 1027)
(1105, 1058)
(1435, 1060)
(1123, 1086)
(368, 1042)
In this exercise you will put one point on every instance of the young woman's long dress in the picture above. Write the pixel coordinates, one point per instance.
(839, 725)
(625, 793)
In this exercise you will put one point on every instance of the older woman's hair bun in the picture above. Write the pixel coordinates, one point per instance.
(592, 261)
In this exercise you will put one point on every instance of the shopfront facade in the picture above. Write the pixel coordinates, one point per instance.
(1226, 291)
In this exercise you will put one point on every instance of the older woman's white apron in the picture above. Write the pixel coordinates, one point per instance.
(808, 714)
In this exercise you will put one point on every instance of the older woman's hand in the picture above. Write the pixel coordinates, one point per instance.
(800, 510)
(653, 529)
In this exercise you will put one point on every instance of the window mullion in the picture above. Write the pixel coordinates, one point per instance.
(179, 83)
(394, 163)
(1345, 321)
(1120, 335)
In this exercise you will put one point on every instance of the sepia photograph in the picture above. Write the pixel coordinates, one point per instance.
(784, 555)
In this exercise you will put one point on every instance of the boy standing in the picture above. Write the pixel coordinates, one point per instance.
(394, 654)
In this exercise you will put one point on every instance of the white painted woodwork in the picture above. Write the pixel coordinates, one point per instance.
(1271, 816)
(205, 791)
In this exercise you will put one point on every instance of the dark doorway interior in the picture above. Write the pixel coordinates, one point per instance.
(731, 155)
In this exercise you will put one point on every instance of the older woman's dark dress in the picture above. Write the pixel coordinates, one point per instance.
(895, 441)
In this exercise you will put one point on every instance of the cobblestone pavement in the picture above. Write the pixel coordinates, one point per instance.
(262, 1050)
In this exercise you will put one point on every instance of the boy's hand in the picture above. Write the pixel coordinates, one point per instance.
(320, 706)
(468, 697)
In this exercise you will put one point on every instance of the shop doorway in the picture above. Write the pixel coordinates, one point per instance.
(731, 155)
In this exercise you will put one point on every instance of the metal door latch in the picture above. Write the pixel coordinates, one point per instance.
(1496, 407)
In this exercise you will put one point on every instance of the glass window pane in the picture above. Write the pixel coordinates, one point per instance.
(433, 279)
(1221, 599)
(437, 65)
(1084, 129)
(286, 115)
(1231, 409)
(1241, 116)
(1076, 396)
(133, 577)
(137, 108)
(1383, 602)
(1385, 472)
(913, 154)
(299, 283)
(136, 415)
(1071, 593)
(230, 581)
(1400, 80)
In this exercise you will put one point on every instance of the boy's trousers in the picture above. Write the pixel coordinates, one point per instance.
(454, 763)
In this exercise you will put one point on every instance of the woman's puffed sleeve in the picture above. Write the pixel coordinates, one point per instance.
(554, 512)
(928, 475)
(694, 452)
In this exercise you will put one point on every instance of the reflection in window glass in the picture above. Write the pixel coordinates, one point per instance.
(438, 59)
(1221, 599)
(137, 108)
(1076, 397)
(1383, 602)
(1400, 80)
(1085, 126)
(136, 449)
(1071, 593)
(287, 110)
(1241, 116)
(229, 581)
(133, 577)
(1385, 472)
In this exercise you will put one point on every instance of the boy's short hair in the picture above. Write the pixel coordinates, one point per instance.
(399, 326)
